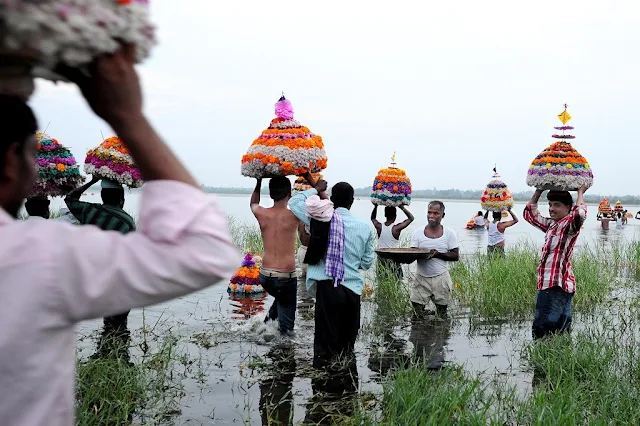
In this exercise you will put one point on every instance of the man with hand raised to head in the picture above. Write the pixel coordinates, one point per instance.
(54, 275)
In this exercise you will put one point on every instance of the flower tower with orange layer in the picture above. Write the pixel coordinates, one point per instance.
(496, 197)
(560, 166)
(247, 278)
(111, 160)
(58, 171)
(285, 148)
(391, 187)
(301, 183)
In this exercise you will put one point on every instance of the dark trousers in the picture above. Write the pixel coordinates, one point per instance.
(284, 292)
(388, 266)
(337, 322)
(553, 312)
(116, 322)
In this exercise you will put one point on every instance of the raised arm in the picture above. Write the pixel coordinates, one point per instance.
(79, 209)
(532, 216)
(579, 211)
(504, 225)
(254, 203)
(182, 245)
(77, 193)
(376, 224)
(397, 229)
(297, 204)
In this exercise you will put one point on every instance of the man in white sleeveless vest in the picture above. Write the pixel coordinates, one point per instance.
(389, 236)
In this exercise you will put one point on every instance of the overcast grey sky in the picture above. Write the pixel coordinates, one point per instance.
(453, 87)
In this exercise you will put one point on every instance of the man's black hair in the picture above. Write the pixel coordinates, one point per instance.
(342, 195)
(17, 122)
(390, 212)
(437, 203)
(497, 215)
(279, 188)
(112, 196)
(563, 197)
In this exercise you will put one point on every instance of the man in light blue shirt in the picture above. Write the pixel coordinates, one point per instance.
(337, 319)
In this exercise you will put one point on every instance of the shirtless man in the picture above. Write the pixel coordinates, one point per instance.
(278, 226)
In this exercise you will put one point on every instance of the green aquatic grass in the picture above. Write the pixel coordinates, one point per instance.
(506, 286)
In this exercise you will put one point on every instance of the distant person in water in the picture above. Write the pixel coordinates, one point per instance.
(389, 236)
(432, 282)
(38, 207)
(479, 221)
(556, 283)
(108, 216)
(278, 226)
(624, 217)
(496, 228)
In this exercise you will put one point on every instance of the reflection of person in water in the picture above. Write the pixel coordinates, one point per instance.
(276, 396)
(247, 305)
(429, 339)
(334, 394)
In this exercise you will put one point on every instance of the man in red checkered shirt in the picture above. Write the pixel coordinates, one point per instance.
(556, 282)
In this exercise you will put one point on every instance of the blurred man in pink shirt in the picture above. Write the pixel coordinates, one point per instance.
(53, 274)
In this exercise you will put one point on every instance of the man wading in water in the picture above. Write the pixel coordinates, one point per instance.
(278, 226)
(556, 282)
(389, 236)
(108, 216)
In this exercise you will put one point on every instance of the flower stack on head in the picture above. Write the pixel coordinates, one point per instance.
(247, 278)
(618, 207)
(111, 160)
(285, 148)
(391, 187)
(560, 166)
(496, 197)
(73, 33)
(301, 183)
(58, 172)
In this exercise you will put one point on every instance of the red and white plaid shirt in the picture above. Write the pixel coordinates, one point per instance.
(560, 238)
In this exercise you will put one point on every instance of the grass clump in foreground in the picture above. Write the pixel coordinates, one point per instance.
(111, 391)
(494, 286)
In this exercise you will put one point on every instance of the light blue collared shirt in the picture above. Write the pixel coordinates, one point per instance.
(359, 245)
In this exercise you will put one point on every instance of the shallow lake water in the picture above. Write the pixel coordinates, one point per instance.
(225, 339)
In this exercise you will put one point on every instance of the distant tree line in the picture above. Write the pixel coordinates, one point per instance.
(447, 194)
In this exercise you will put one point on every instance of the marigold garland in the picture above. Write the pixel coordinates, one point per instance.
(604, 206)
(618, 207)
(301, 183)
(75, 32)
(111, 160)
(247, 278)
(560, 166)
(391, 187)
(285, 148)
(58, 171)
(496, 197)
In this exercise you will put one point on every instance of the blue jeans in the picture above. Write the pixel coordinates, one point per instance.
(553, 312)
(284, 291)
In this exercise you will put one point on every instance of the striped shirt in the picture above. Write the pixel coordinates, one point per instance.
(107, 218)
(359, 245)
(560, 238)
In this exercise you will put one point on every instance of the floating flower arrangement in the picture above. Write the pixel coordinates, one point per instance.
(247, 278)
(301, 183)
(111, 160)
(391, 186)
(285, 148)
(560, 166)
(58, 171)
(496, 197)
(73, 33)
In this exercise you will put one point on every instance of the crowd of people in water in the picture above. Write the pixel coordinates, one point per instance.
(72, 272)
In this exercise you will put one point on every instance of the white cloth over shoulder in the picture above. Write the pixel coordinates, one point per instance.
(319, 209)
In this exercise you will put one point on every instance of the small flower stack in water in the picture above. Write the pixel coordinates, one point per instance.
(391, 187)
(301, 183)
(111, 160)
(560, 166)
(618, 207)
(496, 197)
(58, 172)
(285, 148)
(73, 33)
(246, 278)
